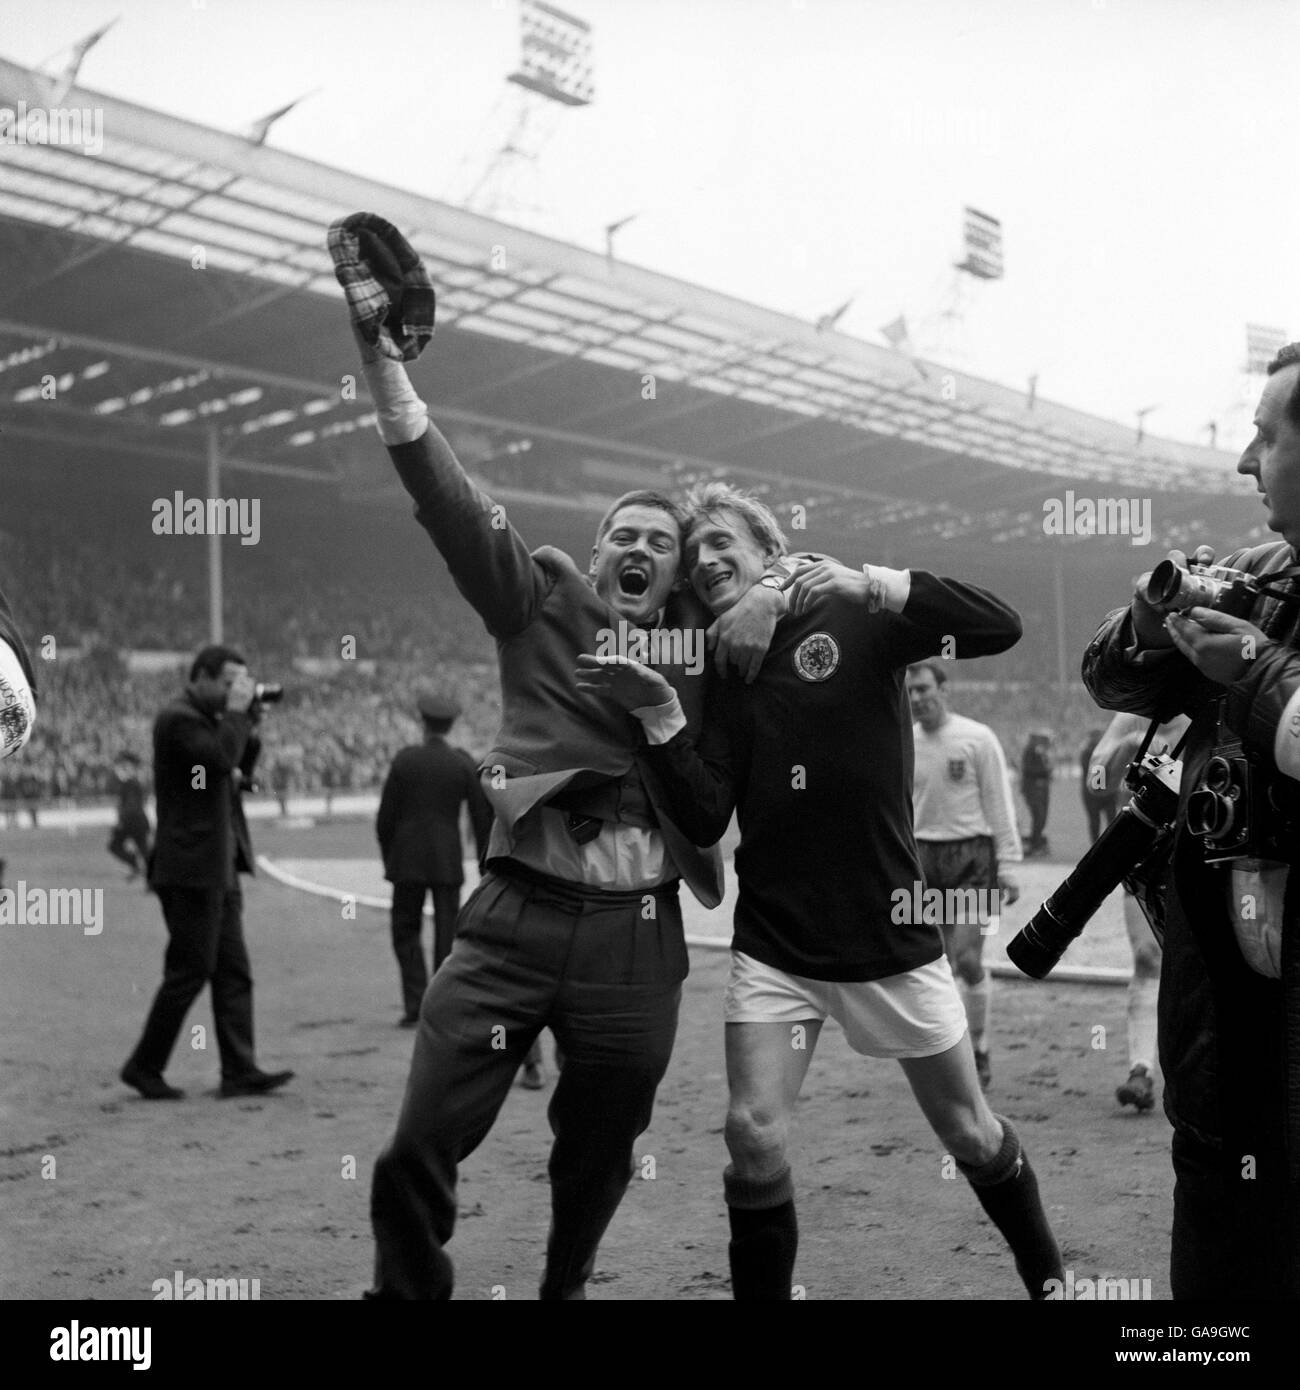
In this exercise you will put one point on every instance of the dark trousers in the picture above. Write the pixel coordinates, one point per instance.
(135, 832)
(205, 942)
(1036, 794)
(408, 920)
(604, 973)
(1230, 1231)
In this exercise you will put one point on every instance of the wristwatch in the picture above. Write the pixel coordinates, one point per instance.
(772, 581)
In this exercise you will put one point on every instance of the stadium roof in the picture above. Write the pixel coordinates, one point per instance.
(539, 371)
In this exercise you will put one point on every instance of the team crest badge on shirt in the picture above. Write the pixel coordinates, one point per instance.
(817, 657)
(956, 769)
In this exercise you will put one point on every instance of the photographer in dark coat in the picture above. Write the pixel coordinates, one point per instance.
(419, 835)
(204, 750)
(1229, 1009)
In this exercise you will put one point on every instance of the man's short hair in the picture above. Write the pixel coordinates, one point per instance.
(1288, 357)
(210, 661)
(935, 668)
(705, 500)
(642, 497)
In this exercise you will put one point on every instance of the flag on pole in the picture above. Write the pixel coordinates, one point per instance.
(896, 335)
(61, 82)
(828, 321)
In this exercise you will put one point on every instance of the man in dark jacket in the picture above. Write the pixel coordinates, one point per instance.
(204, 749)
(576, 926)
(418, 826)
(1229, 1004)
(1036, 788)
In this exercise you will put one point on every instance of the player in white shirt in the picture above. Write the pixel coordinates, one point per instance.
(965, 825)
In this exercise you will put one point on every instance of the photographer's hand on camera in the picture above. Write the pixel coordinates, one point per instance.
(239, 697)
(1220, 646)
(1148, 621)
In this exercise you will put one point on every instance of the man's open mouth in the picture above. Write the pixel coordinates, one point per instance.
(720, 578)
(634, 581)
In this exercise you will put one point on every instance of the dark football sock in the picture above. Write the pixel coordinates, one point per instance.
(1008, 1192)
(764, 1235)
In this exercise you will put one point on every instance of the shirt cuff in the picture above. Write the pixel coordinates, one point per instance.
(896, 586)
(402, 416)
(17, 703)
(661, 722)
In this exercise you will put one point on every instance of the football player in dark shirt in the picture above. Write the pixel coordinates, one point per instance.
(816, 757)
(130, 839)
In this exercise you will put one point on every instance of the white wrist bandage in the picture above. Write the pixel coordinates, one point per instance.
(403, 416)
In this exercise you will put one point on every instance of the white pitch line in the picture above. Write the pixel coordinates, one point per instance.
(338, 895)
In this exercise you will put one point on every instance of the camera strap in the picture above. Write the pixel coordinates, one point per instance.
(1151, 733)
(1268, 586)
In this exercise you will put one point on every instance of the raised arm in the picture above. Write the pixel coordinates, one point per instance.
(947, 617)
(925, 613)
(486, 555)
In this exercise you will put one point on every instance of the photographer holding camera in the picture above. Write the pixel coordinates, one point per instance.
(1223, 649)
(204, 748)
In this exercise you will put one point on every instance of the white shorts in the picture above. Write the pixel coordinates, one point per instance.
(916, 1014)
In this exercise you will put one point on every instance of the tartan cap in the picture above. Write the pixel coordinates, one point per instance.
(390, 295)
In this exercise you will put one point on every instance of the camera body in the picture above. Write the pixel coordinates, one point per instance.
(1237, 811)
(1173, 588)
(265, 693)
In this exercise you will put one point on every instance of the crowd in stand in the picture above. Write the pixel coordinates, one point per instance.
(335, 732)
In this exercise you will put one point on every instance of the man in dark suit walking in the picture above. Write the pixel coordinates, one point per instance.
(419, 836)
(204, 748)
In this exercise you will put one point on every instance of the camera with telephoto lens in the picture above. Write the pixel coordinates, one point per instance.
(1141, 830)
(1174, 588)
(267, 694)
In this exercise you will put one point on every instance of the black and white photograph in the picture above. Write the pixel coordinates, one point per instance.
(650, 652)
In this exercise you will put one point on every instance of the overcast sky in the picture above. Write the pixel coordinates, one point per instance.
(1140, 153)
